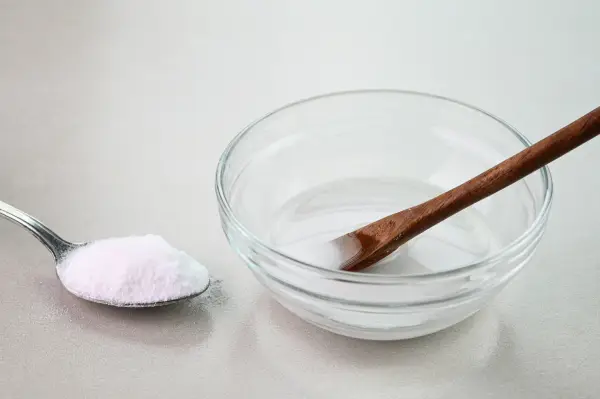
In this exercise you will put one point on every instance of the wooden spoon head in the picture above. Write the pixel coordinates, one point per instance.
(377, 240)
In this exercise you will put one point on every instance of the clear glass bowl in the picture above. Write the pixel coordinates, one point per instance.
(318, 168)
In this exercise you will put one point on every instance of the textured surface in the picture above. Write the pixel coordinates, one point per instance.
(112, 118)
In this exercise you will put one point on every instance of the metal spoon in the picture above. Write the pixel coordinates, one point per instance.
(60, 248)
(371, 243)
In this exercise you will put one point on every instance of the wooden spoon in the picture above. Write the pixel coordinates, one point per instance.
(379, 239)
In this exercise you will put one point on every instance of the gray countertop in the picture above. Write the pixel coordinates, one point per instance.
(112, 117)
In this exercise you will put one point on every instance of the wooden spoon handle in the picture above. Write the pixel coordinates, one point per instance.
(378, 239)
(511, 170)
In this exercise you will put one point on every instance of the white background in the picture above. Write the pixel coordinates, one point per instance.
(113, 114)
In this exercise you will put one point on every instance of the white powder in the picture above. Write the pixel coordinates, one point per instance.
(330, 254)
(132, 270)
(324, 254)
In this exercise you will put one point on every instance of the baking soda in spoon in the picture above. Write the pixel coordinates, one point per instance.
(132, 270)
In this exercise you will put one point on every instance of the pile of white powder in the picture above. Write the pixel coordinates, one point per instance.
(132, 270)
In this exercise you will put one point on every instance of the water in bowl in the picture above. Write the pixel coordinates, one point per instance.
(305, 223)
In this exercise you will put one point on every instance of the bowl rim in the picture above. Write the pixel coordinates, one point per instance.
(361, 277)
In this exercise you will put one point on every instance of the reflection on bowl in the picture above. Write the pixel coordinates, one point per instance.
(316, 169)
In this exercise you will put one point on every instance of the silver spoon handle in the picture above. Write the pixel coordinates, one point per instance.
(50, 239)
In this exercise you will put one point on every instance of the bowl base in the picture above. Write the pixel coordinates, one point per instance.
(399, 332)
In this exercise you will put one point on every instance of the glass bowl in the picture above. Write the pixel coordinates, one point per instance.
(319, 168)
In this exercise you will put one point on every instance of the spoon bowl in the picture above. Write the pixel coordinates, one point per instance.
(61, 248)
(138, 304)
